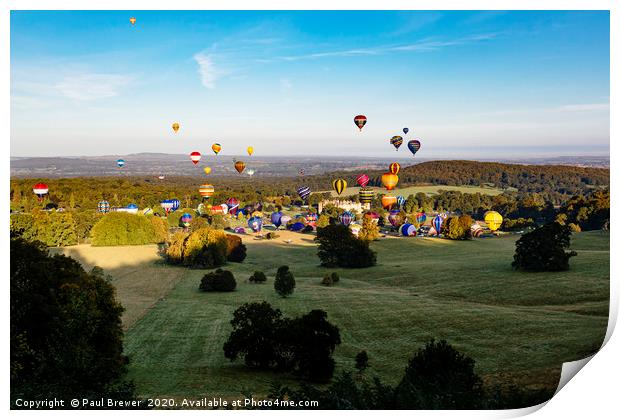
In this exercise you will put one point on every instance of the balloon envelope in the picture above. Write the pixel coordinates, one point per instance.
(195, 157)
(276, 218)
(339, 185)
(206, 190)
(346, 218)
(239, 166)
(407, 229)
(405, 130)
(414, 146)
(493, 220)
(360, 121)
(366, 195)
(394, 217)
(362, 180)
(437, 222)
(304, 192)
(233, 205)
(387, 201)
(250, 150)
(389, 180)
(255, 223)
(396, 141)
(394, 168)
(120, 163)
(216, 147)
(176, 126)
(207, 170)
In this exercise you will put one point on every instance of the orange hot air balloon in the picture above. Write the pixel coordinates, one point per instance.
(389, 180)
(395, 168)
(388, 201)
(132, 20)
(239, 166)
(216, 147)
(176, 126)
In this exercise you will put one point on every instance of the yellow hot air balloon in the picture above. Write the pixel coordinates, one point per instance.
(239, 166)
(389, 180)
(132, 20)
(207, 170)
(339, 185)
(250, 150)
(176, 126)
(216, 147)
(493, 220)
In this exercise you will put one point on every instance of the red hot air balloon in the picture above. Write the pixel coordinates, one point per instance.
(395, 168)
(195, 157)
(360, 121)
(40, 190)
(362, 180)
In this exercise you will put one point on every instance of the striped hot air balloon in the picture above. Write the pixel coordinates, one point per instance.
(339, 185)
(360, 121)
(103, 206)
(407, 229)
(216, 147)
(175, 204)
(255, 223)
(239, 166)
(195, 157)
(186, 219)
(394, 168)
(120, 163)
(476, 230)
(437, 222)
(40, 190)
(389, 180)
(366, 195)
(206, 190)
(420, 218)
(233, 205)
(166, 205)
(304, 192)
(346, 218)
(396, 141)
(400, 201)
(362, 180)
(493, 220)
(388, 201)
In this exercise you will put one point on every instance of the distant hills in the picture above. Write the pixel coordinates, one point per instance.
(145, 164)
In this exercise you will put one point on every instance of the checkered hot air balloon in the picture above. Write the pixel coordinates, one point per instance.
(366, 195)
(362, 180)
(437, 222)
(304, 192)
(103, 206)
(346, 218)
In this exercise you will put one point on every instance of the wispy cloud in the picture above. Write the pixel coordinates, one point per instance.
(90, 87)
(585, 107)
(206, 69)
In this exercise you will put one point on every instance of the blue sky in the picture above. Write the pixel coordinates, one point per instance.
(467, 84)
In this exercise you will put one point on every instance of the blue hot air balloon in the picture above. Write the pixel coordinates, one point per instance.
(304, 192)
(346, 218)
(420, 218)
(400, 201)
(296, 227)
(407, 230)
(255, 223)
(437, 222)
(120, 163)
(276, 218)
(405, 130)
(414, 146)
(175, 204)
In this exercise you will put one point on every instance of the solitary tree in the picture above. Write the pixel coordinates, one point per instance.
(285, 281)
(544, 249)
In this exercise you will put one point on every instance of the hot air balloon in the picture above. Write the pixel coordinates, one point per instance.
(476, 230)
(437, 222)
(216, 147)
(396, 141)
(285, 219)
(394, 168)
(296, 227)
(132, 208)
(414, 146)
(251, 172)
(207, 170)
(176, 126)
(195, 157)
(493, 220)
(311, 217)
(366, 195)
(373, 215)
(400, 201)
(304, 192)
(389, 180)
(362, 180)
(103, 206)
(255, 223)
(239, 166)
(276, 217)
(233, 205)
(161, 177)
(250, 150)
(40, 190)
(405, 130)
(420, 218)
(166, 205)
(219, 209)
(388, 201)
(132, 20)
(186, 219)
(206, 190)
(339, 185)
(175, 204)
(394, 217)
(346, 218)
(407, 229)
(302, 172)
(360, 121)
(120, 163)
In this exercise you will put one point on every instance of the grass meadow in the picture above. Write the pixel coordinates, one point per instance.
(519, 327)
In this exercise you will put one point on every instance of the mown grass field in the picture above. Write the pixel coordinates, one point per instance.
(519, 327)
(427, 189)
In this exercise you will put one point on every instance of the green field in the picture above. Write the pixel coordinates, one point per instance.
(519, 327)
(427, 189)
